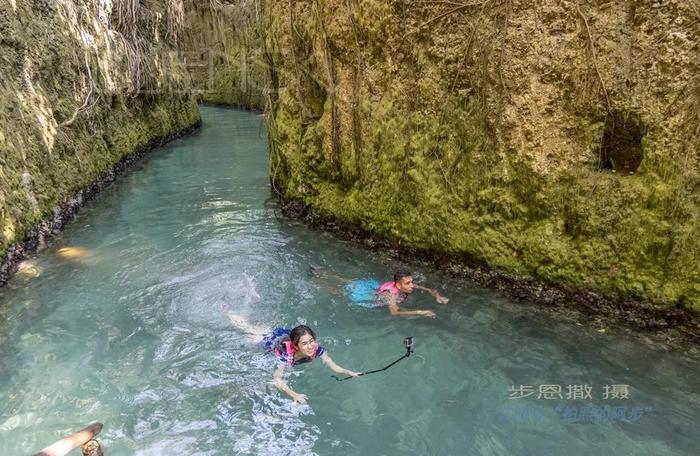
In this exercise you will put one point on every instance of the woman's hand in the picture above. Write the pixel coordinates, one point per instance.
(298, 397)
(441, 299)
(427, 313)
(351, 373)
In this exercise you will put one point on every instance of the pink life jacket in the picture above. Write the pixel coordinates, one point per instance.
(390, 287)
(393, 290)
(290, 351)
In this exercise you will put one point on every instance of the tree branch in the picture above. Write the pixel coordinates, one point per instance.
(595, 57)
(87, 98)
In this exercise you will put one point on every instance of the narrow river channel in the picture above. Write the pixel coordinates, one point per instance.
(119, 321)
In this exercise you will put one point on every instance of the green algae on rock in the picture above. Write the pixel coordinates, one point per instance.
(85, 84)
(222, 49)
(555, 141)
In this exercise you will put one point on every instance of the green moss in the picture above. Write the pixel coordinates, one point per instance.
(45, 137)
(497, 161)
(223, 47)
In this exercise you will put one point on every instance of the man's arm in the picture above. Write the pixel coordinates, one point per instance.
(438, 297)
(395, 310)
(282, 386)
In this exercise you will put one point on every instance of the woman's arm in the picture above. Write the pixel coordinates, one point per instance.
(396, 310)
(282, 386)
(438, 297)
(335, 368)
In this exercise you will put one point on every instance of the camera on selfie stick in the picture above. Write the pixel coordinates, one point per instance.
(408, 345)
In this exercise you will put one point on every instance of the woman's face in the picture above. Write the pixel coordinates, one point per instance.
(306, 345)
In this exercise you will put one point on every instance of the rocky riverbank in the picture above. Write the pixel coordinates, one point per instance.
(38, 235)
(672, 325)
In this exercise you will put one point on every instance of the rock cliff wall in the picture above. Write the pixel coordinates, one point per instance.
(558, 140)
(222, 49)
(84, 84)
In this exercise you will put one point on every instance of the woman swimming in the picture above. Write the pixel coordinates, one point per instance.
(290, 347)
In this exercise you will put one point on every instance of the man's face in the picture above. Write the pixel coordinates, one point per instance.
(405, 285)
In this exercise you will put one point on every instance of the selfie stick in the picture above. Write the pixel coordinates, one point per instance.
(407, 343)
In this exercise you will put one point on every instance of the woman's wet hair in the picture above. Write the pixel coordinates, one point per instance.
(301, 330)
(401, 274)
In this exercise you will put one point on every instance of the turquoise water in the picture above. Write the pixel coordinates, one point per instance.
(128, 331)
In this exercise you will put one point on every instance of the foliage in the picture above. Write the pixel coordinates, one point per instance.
(222, 50)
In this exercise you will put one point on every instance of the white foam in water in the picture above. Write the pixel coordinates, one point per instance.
(201, 303)
(252, 292)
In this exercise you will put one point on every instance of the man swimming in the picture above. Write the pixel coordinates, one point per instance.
(396, 292)
(371, 293)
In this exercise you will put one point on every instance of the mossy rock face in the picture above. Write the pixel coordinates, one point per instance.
(555, 141)
(74, 101)
(222, 50)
